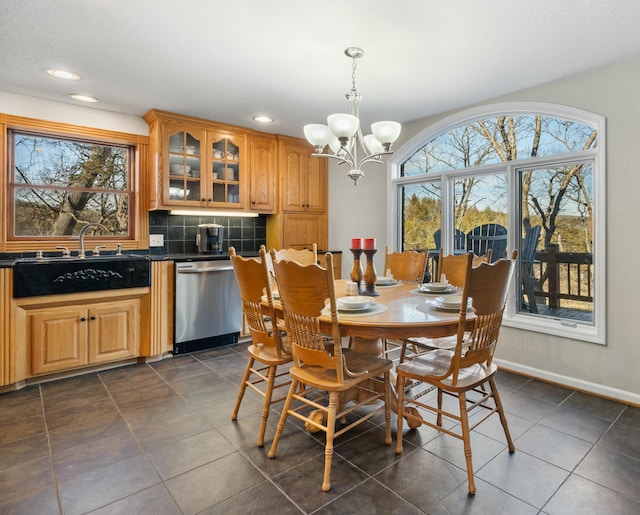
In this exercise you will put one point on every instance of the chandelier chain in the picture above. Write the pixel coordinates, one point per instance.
(354, 65)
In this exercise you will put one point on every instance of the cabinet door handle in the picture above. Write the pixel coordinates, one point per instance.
(83, 319)
(93, 317)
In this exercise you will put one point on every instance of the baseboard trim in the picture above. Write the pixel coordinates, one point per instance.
(571, 382)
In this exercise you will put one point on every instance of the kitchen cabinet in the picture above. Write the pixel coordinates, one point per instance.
(297, 230)
(302, 219)
(59, 333)
(263, 174)
(303, 177)
(63, 338)
(196, 163)
(162, 309)
(6, 324)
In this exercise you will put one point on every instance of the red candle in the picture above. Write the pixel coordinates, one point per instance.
(356, 243)
(369, 244)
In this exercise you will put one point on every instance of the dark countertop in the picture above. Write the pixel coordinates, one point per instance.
(9, 262)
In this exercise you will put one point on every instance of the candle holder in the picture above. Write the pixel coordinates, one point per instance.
(356, 271)
(370, 274)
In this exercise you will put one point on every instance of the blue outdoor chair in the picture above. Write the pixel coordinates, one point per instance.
(488, 236)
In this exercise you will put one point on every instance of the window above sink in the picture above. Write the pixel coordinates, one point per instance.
(60, 177)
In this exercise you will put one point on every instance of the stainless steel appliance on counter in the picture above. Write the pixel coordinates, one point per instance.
(210, 238)
(208, 309)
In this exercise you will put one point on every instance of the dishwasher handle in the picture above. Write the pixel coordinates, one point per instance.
(204, 270)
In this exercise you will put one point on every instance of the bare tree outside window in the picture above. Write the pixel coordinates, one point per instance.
(555, 200)
(60, 185)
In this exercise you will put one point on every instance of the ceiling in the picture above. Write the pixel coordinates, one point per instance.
(229, 61)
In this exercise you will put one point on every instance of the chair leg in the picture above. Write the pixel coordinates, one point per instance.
(283, 418)
(399, 411)
(243, 387)
(466, 437)
(439, 417)
(271, 378)
(503, 419)
(403, 351)
(387, 408)
(328, 449)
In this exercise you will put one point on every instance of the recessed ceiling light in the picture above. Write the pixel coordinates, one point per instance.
(62, 74)
(263, 119)
(83, 98)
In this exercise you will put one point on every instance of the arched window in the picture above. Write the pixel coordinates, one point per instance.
(514, 176)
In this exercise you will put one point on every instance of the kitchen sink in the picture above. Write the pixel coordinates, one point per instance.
(55, 275)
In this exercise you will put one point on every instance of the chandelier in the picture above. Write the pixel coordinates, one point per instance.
(343, 133)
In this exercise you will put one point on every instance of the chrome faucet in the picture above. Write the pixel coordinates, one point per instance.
(81, 254)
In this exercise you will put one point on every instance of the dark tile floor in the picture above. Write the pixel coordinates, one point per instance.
(158, 439)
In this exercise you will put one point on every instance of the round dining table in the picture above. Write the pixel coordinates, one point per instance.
(401, 311)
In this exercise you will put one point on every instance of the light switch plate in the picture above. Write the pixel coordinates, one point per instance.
(156, 240)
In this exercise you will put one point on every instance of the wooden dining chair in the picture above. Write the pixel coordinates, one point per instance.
(337, 382)
(302, 256)
(407, 266)
(268, 350)
(467, 368)
(454, 267)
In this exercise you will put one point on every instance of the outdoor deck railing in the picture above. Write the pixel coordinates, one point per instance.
(559, 275)
(563, 275)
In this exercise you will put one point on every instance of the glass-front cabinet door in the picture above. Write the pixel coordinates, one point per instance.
(205, 168)
(226, 158)
(184, 166)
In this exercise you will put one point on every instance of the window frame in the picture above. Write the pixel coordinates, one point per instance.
(138, 219)
(595, 333)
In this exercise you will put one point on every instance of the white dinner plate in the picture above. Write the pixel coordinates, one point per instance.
(429, 288)
(436, 286)
(343, 309)
(452, 301)
(385, 281)
(355, 303)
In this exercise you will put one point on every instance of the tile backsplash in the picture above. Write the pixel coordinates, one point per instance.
(179, 231)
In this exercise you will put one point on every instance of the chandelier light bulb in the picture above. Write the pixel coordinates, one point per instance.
(386, 132)
(373, 145)
(343, 125)
(318, 135)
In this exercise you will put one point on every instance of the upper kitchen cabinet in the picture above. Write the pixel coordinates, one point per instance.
(303, 177)
(263, 159)
(196, 163)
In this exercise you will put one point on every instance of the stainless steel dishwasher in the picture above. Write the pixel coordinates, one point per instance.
(208, 310)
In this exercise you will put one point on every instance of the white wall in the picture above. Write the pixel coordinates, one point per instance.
(31, 107)
(609, 370)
